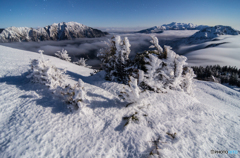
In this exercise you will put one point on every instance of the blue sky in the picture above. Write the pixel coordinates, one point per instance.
(119, 13)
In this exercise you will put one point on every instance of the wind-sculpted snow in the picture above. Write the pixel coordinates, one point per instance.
(55, 32)
(34, 123)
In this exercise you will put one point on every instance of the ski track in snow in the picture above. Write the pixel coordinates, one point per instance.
(35, 123)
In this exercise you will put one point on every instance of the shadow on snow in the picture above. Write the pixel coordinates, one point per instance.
(46, 99)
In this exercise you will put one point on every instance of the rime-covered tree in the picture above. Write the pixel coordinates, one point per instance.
(133, 95)
(115, 59)
(82, 62)
(63, 55)
(43, 72)
(158, 70)
(164, 69)
(75, 95)
(187, 82)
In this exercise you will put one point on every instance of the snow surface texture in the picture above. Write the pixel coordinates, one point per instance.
(173, 26)
(60, 31)
(34, 123)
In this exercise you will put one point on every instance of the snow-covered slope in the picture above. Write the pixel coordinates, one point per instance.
(173, 26)
(60, 31)
(1, 30)
(35, 123)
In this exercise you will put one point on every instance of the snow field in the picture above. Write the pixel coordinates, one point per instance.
(36, 123)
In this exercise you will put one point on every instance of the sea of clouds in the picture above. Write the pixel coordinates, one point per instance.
(89, 47)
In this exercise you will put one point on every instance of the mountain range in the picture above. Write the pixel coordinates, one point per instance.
(205, 35)
(173, 26)
(73, 30)
(56, 31)
(212, 32)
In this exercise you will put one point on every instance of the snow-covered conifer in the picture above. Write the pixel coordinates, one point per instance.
(80, 94)
(115, 59)
(82, 62)
(63, 55)
(187, 83)
(107, 57)
(45, 73)
(122, 49)
(157, 70)
(75, 95)
(165, 70)
(131, 96)
(154, 74)
(155, 44)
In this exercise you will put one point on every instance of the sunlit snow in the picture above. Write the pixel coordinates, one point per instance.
(35, 123)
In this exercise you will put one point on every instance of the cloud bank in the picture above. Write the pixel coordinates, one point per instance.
(225, 54)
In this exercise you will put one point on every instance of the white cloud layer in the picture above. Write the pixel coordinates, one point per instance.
(225, 54)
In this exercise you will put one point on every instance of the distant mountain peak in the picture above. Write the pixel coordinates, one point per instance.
(56, 31)
(173, 26)
(214, 31)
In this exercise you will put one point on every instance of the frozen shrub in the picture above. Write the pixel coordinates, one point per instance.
(158, 70)
(155, 44)
(187, 82)
(82, 62)
(164, 69)
(153, 74)
(155, 151)
(75, 96)
(63, 55)
(134, 118)
(131, 96)
(45, 73)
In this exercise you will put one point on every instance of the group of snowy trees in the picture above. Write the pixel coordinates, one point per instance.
(157, 70)
(42, 71)
(216, 73)
(64, 56)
